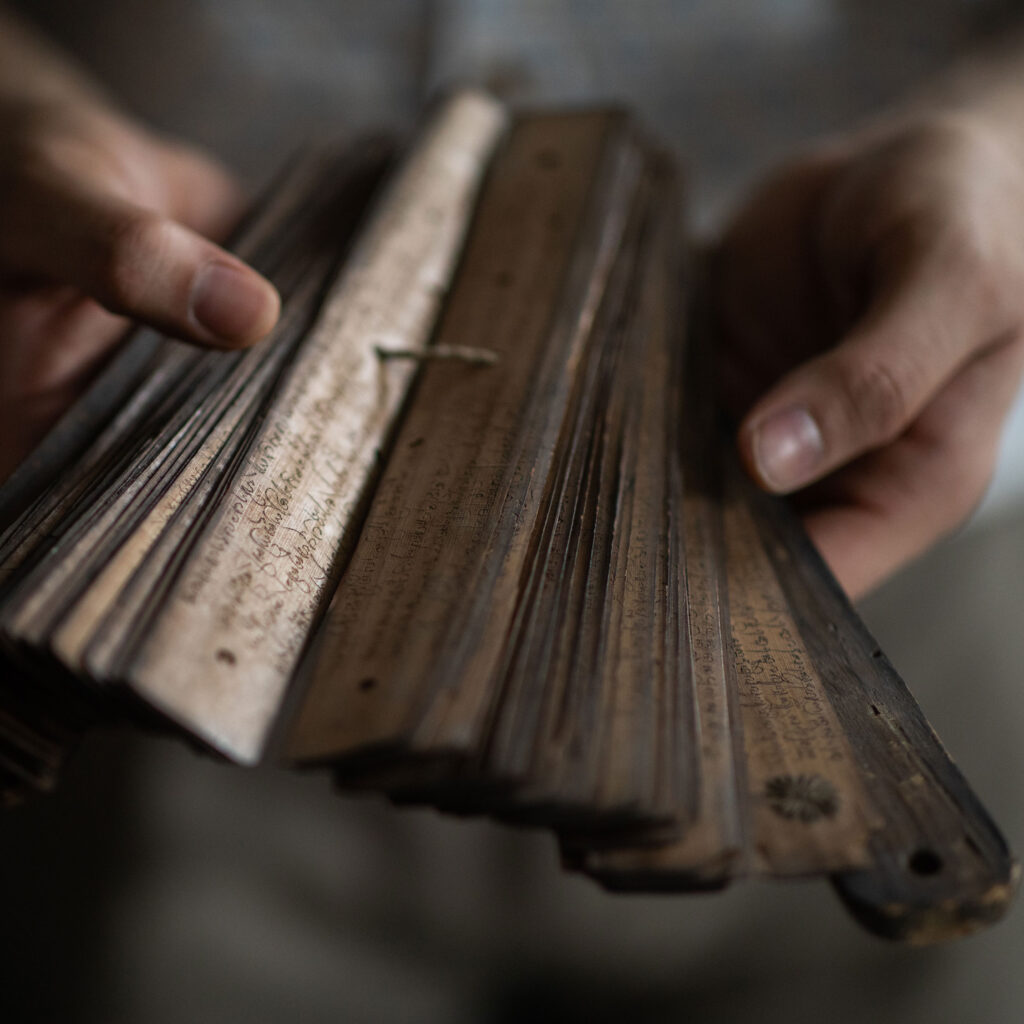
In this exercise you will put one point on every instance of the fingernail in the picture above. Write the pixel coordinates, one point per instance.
(788, 449)
(233, 303)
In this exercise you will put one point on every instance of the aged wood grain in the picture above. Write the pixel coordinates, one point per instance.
(561, 602)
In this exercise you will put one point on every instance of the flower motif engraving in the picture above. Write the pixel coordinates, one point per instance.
(805, 798)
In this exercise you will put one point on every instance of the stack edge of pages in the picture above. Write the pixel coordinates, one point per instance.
(465, 530)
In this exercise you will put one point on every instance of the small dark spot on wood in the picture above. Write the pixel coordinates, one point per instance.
(226, 656)
(503, 278)
(925, 862)
(805, 798)
(876, 653)
(367, 684)
(549, 159)
(875, 710)
(416, 443)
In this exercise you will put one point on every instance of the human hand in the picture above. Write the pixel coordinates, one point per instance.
(101, 222)
(870, 300)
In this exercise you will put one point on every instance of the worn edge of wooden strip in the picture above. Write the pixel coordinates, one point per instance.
(99, 605)
(123, 381)
(707, 851)
(941, 868)
(550, 792)
(331, 213)
(461, 713)
(121, 417)
(244, 647)
(408, 540)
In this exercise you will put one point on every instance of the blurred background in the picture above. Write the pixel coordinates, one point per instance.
(158, 885)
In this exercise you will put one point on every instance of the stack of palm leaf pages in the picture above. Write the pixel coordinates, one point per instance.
(464, 531)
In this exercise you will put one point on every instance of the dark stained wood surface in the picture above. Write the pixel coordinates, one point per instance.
(557, 599)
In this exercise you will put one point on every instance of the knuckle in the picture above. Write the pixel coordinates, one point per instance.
(878, 399)
(127, 254)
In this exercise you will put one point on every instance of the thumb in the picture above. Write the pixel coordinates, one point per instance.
(138, 263)
(866, 392)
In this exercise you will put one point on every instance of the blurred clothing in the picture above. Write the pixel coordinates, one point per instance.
(732, 84)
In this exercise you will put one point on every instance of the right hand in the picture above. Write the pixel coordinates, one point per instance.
(101, 223)
(871, 295)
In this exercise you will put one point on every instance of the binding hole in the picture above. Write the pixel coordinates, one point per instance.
(925, 862)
